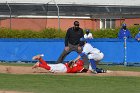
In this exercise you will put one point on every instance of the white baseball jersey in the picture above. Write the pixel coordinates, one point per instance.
(92, 53)
(88, 36)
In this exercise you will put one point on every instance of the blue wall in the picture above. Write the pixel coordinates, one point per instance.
(25, 49)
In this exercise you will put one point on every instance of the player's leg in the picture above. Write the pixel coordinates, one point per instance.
(98, 57)
(47, 67)
(93, 66)
(41, 62)
(39, 57)
(64, 54)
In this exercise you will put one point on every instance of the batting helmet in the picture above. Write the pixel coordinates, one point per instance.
(80, 62)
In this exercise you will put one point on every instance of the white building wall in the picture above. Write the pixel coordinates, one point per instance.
(87, 2)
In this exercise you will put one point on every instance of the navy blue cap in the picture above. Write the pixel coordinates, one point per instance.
(87, 30)
(123, 25)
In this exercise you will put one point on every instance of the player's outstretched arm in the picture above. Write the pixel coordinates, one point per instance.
(77, 58)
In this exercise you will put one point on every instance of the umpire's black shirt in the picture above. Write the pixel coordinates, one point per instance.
(73, 36)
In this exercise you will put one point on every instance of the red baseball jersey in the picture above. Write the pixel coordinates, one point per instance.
(76, 68)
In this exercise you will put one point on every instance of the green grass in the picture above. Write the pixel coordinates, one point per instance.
(69, 84)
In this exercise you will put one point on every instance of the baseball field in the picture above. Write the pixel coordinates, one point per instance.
(21, 78)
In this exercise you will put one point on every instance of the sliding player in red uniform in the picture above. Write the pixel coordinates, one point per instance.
(70, 67)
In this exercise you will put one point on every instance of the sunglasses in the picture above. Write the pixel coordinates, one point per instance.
(76, 25)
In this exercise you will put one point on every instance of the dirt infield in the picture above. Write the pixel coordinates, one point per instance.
(29, 70)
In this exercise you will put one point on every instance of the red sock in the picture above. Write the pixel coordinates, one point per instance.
(42, 61)
(44, 64)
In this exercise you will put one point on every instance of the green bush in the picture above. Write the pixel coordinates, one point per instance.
(53, 33)
(113, 33)
(47, 33)
(108, 33)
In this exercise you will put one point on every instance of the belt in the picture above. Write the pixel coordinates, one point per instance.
(92, 53)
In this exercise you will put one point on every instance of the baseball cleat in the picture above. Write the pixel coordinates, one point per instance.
(37, 57)
(94, 72)
(103, 71)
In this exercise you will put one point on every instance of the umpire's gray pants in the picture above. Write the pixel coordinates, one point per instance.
(71, 48)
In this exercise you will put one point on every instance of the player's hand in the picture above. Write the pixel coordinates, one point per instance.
(67, 48)
(74, 60)
(138, 39)
(70, 63)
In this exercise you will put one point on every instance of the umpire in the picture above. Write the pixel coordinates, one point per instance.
(72, 40)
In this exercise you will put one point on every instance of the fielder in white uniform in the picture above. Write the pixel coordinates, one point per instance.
(94, 55)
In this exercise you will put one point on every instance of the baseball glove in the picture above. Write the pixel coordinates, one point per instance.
(84, 70)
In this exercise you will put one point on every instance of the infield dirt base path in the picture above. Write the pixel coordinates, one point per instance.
(29, 70)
